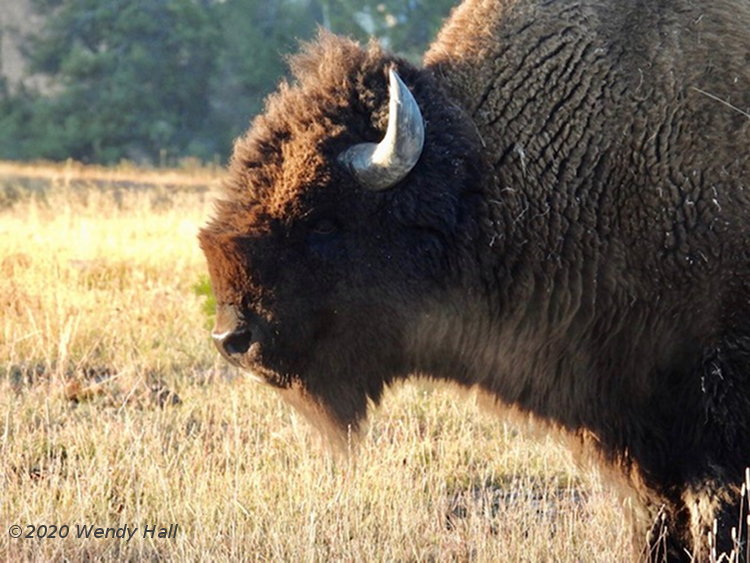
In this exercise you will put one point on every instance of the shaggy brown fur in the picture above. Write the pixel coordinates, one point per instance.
(573, 241)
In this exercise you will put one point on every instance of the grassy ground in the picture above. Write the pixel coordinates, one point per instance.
(115, 411)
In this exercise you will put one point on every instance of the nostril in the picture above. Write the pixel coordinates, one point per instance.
(238, 342)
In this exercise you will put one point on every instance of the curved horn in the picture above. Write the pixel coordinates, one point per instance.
(382, 165)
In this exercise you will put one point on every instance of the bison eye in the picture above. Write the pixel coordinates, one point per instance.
(324, 228)
(323, 239)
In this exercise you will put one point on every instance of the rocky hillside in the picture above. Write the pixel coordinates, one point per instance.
(16, 20)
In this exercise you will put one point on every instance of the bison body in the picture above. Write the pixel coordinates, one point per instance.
(570, 237)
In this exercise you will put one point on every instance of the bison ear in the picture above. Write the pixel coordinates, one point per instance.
(383, 165)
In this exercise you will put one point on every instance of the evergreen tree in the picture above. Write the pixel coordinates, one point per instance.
(130, 78)
(405, 27)
(258, 35)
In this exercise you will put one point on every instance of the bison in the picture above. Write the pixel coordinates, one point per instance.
(554, 210)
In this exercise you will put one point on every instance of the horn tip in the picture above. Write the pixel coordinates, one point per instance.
(395, 82)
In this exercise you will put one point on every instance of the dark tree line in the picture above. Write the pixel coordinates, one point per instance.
(156, 80)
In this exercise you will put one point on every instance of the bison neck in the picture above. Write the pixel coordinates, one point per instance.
(563, 357)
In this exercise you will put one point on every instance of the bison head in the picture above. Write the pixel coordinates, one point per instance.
(349, 211)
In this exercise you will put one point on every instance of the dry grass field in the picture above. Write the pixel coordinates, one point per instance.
(116, 412)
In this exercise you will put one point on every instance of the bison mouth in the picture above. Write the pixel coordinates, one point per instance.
(265, 377)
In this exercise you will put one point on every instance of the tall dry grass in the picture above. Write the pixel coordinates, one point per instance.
(115, 411)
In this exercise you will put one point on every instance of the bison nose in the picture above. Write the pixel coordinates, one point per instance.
(233, 343)
(235, 333)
